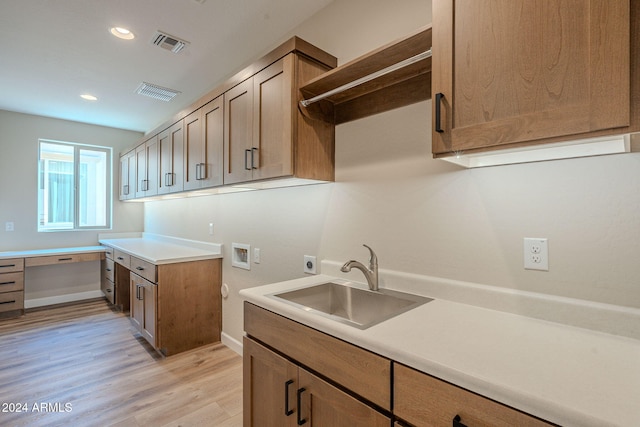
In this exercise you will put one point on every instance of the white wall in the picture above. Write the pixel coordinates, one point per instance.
(19, 134)
(423, 215)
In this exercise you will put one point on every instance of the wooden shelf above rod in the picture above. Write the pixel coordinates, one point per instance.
(396, 88)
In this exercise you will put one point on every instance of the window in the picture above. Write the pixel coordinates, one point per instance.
(74, 186)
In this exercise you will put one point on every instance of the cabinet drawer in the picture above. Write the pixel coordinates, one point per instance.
(108, 252)
(108, 289)
(109, 269)
(144, 269)
(11, 301)
(9, 265)
(62, 259)
(421, 399)
(122, 258)
(10, 282)
(358, 370)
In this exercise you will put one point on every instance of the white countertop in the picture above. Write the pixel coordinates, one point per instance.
(164, 250)
(564, 374)
(47, 252)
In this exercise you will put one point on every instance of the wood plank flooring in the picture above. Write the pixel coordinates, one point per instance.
(83, 365)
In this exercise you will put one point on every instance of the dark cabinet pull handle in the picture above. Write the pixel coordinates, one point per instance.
(65, 259)
(139, 268)
(299, 401)
(457, 423)
(253, 150)
(246, 164)
(7, 302)
(120, 258)
(108, 269)
(8, 283)
(287, 411)
(7, 266)
(439, 97)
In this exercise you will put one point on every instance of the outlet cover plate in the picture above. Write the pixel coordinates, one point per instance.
(536, 254)
(309, 264)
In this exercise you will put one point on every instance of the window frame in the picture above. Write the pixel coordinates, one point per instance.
(108, 207)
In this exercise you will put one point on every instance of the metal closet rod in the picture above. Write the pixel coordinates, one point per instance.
(367, 78)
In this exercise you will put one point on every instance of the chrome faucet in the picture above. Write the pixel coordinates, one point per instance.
(371, 273)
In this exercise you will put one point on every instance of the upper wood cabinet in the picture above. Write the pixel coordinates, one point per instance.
(203, 146)
(247, 130)
(518, 72)
(170, 146)
(238, 133)
(127, 188)
(265, 135)
(146, 183)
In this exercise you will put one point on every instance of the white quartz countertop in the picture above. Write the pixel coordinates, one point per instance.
(567, 375)
(164, 250)
(47, 252)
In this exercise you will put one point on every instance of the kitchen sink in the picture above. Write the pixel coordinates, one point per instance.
(357, 307)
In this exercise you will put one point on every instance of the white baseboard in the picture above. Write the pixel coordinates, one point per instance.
(232, 343)
(60, 299)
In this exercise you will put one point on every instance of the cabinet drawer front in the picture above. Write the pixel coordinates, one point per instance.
(10, 282)
(11, 301)
(108, 289)
(358, 370)
(9, 265)
(424, 400)
(122, 258)
(108, 252)
(109, 268)
(62, 259)
(144, 269)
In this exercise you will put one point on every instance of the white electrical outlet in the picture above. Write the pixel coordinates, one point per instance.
(210, 229)
(536, 254)
(256, 255)
(8, 226)
(309, 264)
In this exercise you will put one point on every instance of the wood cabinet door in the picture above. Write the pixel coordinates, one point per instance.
(170, 146)
(146, 161)
(273, 116)
(322, 404)
(143, 311)
(193, 150)
(517, 71)
(270, 383)
(141, 171)
(210, 171)
(127, 175)
(136, 307)
(151, 150)
(149, 293)
(238, 129)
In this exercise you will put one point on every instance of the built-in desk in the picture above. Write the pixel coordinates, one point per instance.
(14, 263)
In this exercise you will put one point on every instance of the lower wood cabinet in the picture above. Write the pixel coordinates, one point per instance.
(277, 392)
(296, 375)
(144, 299)
(181, 308)
(423, 400)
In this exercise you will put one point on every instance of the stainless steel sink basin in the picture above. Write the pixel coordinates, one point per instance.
(357, 307)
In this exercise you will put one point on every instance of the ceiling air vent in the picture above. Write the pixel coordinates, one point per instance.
(168, 42)
(157, 92)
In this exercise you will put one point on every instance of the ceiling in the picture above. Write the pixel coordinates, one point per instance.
(53, 51)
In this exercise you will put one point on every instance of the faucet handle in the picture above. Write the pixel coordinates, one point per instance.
(373, 259)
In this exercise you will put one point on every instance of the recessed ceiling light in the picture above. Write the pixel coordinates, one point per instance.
(88, 97)
(121, 33)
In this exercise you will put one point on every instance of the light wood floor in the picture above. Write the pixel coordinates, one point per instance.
(87, 356)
